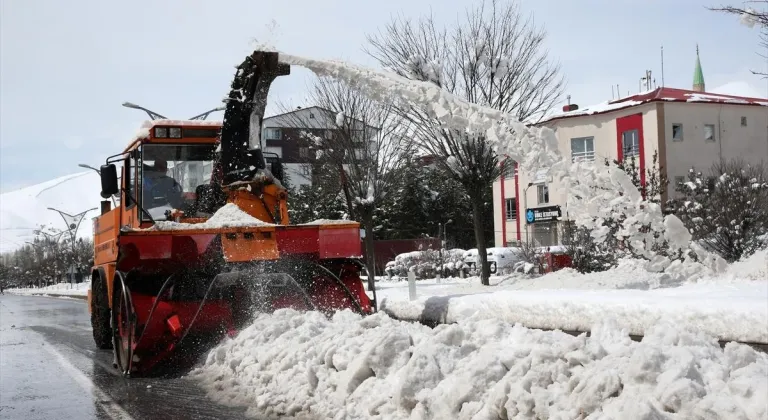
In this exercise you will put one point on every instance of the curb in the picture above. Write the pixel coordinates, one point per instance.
(57, 295)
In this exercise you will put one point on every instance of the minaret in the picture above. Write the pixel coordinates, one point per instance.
(698, 75)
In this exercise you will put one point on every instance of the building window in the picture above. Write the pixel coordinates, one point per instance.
(677, 132)
(630, 143)
(545, 234)
(304, 152)
(311, 115)
(679, 180)
(274, 134)
(276, 150)
(583, 149)
(709, 133)
(743, 121)
(543, 193)
(511, 204)
(357, 136)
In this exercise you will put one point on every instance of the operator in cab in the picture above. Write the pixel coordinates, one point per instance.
(160, 190)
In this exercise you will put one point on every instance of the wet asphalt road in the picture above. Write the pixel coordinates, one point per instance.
(50, 368)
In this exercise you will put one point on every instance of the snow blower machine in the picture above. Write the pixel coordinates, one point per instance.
(199, 239)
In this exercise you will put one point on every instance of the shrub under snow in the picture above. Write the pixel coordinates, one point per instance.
(306, 365)
(425, 264)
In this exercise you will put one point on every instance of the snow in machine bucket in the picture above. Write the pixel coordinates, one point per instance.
(179, 267)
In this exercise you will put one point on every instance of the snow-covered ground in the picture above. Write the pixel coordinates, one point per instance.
(491, 363)
(61, 289)
(308, 366)
(733, 306)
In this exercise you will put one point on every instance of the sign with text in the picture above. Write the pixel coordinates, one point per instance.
(543, 214)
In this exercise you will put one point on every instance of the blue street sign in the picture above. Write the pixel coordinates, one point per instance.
(530, 216)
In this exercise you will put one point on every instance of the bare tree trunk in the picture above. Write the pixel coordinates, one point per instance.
(479, 225)
(347, 193)
(370, 254)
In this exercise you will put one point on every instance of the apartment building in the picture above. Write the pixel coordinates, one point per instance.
(286, 135)
(687, 128)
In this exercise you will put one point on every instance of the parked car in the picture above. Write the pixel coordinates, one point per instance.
(500, 260)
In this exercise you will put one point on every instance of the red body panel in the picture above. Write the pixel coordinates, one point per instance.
(169, 320)
(340, 243)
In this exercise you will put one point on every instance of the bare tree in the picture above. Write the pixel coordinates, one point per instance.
(366, 145)
(751, 17)
(493, 57)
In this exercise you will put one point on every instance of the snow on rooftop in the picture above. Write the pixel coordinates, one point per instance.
(328, 222)
(660, 94)
(202, 123)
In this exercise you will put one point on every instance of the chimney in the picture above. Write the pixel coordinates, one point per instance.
(570, 107)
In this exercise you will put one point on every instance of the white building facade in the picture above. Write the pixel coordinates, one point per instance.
(686, 128)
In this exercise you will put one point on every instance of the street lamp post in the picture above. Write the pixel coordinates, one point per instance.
(205, 114)
(442, 236)
(152, 114)
(73, 224)
(525, 205)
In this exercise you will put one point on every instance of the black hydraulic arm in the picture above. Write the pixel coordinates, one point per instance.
(241, 127)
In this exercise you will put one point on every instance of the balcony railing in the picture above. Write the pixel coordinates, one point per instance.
(632, 151)
(587, 156)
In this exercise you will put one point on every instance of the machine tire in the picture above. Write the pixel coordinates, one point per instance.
(100, 314)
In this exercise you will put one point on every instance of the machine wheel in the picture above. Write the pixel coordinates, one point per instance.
(123, 325)
(100, 316)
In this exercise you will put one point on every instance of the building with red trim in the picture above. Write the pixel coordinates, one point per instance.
(688, 128)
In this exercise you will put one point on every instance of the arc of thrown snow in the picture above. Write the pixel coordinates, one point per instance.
(534, 148)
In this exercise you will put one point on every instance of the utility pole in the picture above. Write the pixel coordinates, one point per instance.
(73, 224)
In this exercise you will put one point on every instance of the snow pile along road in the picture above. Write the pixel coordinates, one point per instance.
(732, 306)
(308, 366)
(61, 289)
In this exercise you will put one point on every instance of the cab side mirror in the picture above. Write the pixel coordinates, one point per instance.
(109, 185)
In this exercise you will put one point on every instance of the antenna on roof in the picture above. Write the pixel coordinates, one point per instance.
(205, 114)
(662, 66)
(152, 114)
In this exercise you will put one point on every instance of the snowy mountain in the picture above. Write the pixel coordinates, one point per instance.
(740, 88)
(24, 210)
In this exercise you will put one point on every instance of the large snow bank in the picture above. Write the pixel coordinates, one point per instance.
(305, 365)
(754, 267)
(735, 311)
(730, 306)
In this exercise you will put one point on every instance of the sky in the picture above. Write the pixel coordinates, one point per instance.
(65, 67)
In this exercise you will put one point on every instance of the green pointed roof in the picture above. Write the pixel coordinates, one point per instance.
(698, 75)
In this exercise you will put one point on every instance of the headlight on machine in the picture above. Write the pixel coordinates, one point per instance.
(161, 132)
(175, 132)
